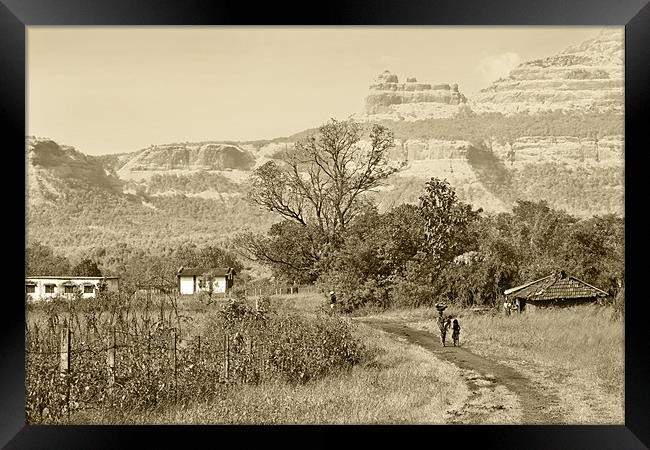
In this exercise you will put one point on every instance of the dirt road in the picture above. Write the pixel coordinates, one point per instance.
(538, 404)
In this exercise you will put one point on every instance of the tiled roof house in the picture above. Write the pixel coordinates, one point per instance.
(558, 289)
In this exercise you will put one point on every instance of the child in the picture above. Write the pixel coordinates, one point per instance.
(455, 331)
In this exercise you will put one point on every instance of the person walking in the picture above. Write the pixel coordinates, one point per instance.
(332, 300)
(443, 325)
(455, 331)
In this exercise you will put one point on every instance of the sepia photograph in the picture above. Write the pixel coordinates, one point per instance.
(325, 225)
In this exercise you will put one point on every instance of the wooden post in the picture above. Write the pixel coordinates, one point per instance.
(64, 365)
(172, 355)
(198, 347)
(227, 355)
(110, 357)
(250, 365)
(64, 351)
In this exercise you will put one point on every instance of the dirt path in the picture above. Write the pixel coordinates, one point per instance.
(538, 404)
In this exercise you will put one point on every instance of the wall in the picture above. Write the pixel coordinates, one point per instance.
(59, 287)
(187, 285)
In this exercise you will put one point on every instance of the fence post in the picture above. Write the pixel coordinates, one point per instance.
(64, 351)
(110, 357)
(172, 354)
(227, 354)
(250, 365)
(64, 365)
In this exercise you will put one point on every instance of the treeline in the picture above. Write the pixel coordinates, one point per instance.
(478, 128)
(91, 218)
(195, 182)
(133, 265)
(417, 256)
(411, 255)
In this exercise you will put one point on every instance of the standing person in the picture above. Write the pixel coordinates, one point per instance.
(332, 300)
(455, 331)
(443, 325)
(506, 308)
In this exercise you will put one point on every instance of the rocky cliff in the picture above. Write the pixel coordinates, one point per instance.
(584, 77)
(187, 157)
(389, 99)
(54, 169)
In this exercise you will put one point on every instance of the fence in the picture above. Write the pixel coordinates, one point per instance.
(130, 353)
(269, 289)
(122, 369)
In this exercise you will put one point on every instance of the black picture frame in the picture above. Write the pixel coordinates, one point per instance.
(16, 15)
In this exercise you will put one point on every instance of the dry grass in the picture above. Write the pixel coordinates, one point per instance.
(401, 384)
(577, 351)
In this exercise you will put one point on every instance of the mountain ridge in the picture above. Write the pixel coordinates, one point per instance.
(572, 156)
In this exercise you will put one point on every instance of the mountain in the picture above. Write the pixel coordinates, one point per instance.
(587, 77)
(78, 204)
(54, 170)
(552, 130)
(388, 99)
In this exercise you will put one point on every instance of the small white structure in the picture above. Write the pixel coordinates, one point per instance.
(218, 280)
(50, 287)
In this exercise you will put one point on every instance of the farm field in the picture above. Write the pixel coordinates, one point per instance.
(421, 388)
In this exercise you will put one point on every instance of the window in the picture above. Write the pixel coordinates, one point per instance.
(89, 289)
(68, 289)
(31, 289)
(49, 289)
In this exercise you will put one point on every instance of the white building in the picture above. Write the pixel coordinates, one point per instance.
(46, 288)
(218, 280)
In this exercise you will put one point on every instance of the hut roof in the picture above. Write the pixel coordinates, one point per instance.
(555, 286)
(198, 271)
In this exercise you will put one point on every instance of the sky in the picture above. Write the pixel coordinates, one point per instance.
(119, 89)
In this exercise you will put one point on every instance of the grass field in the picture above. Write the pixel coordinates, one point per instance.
(395, 383)
(401, 383)
(579, 352)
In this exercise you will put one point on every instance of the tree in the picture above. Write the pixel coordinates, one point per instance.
(189, 255)
(446, 220)
(324, 178)
(319, 189)
(86, 268)
(41, 261)
(291, 250)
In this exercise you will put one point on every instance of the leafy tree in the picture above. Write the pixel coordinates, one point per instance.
(291, 250)
(86, 268)
(41, 261)
(379, 250)
(446, 220)
(594, 251)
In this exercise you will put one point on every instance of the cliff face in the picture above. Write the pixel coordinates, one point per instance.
(54, 169)
(392, 100)
(584, 77)
(192, 157)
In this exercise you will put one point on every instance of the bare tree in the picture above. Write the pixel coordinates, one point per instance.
(318, 189)
(323, 178)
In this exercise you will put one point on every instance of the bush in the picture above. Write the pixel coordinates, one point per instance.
(294, 348)
(405, 293)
